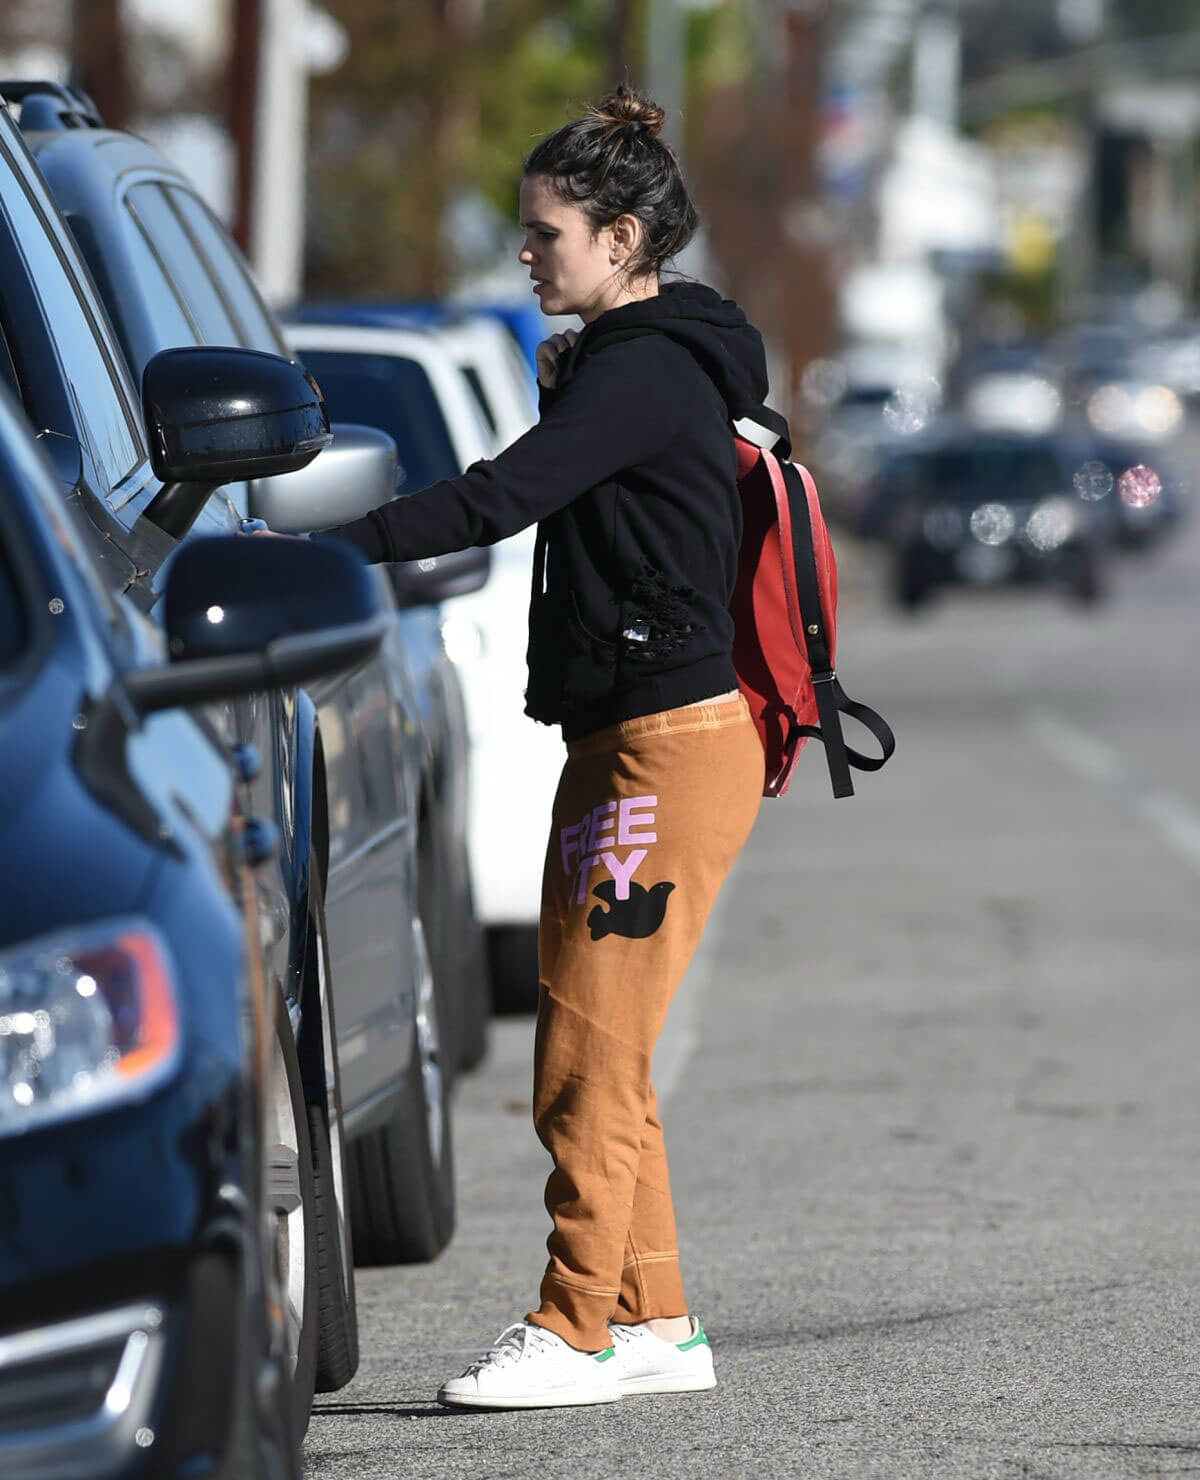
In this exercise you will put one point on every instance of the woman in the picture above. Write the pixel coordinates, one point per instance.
(630, 474)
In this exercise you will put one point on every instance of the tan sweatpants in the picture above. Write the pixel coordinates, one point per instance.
(649, 816)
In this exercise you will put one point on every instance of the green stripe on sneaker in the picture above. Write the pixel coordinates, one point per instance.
(696, 1340)
(605, 1354)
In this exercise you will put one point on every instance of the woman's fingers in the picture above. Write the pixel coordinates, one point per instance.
(547, 354)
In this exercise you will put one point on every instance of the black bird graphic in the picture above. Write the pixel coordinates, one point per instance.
(636, 917)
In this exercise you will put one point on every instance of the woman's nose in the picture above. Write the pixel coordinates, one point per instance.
(525, 255)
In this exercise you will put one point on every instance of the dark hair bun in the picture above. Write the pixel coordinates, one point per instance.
(612, 162)
(623, 107)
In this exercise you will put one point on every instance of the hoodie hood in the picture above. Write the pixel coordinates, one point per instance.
(714, 330)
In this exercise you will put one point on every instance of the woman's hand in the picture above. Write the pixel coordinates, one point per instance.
(547, 354)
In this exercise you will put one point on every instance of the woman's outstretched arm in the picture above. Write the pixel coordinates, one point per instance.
(615, 411)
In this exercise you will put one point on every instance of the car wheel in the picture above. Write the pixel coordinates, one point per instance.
(402, 1198)
(264, 1443)
(436, 921)
(910, 589)
(475, 995)
(1085, 579)
(337, 1314)
(513, 967)
(291, 1197)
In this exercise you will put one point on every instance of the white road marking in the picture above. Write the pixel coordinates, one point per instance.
(1171, 819)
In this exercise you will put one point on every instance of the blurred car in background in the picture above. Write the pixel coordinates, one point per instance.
(1171, 357)
(342, 791)
(1141, 493)
(858, 416)
(480, 344)
(977, 510)
(1011, 386)
(405, 381)
(1109, 381)
(152, 1137)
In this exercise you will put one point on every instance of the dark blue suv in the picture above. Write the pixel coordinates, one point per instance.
(379, 763)
(142, 1137)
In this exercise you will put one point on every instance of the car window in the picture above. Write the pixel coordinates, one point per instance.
(982, 472)
(171, 318)
(476, 383)
(67, 539)
(394, 394)
(182, 263)
(87, 355)
(228, 267)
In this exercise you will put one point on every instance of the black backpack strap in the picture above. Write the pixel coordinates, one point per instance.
(763, 416)
(832, 701)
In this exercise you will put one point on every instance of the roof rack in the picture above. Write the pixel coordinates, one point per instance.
(47, 106)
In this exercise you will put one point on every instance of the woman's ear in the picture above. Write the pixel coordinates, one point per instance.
(626, 236)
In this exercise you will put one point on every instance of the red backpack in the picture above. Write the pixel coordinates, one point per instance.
(784, 607)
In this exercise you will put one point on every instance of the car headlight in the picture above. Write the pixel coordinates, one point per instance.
(1158, 411)
(1052, 523)
(87, 1019)
(943, 526)
(993, 524)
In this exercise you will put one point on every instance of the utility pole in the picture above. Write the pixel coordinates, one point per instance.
(269, 123)
(243, 90)
(618, 43)
(806, 291)
(98, 62)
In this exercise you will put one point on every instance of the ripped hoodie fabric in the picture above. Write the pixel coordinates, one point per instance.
(630, 475)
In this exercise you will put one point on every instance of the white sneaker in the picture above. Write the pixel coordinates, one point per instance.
(648, 1364)
(530, 1367)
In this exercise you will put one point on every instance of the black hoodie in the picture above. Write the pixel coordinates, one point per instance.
(630, 474)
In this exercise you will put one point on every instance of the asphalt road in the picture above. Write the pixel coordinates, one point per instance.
(934, 1095)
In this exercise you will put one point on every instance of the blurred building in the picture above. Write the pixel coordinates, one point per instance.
(219, 85)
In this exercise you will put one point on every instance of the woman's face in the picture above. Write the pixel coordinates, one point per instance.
(573, 270)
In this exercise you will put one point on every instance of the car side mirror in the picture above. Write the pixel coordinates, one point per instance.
(356, 473)
(216, 415)
(248, 613)
(421, 582)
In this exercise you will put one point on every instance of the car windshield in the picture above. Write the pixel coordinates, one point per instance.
(981, 472)
(395, 395)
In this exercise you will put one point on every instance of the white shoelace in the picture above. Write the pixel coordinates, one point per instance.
(511, 1346)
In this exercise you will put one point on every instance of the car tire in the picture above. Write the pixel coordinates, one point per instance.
(263, 1443)
(436, 922)
(337, 1313)
(402, 1194)
(1085, 579)
(513, 968)
(910, 589)
(475, 983)
(476, 995)
(291, 1197)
